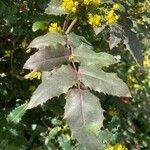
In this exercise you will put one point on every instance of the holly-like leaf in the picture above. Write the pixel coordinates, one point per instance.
(16, 115)
(85, 55)
(116, 35)
(54, 8)
(50, 39)
(114, 41)
(84, 116)
(98, 30)
(98, 80)
(54, 85)
(134, 46)
(47, 58)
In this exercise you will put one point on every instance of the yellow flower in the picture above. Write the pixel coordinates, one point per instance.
(94, 20)
(54, 27)
(116, 147)
(116, 6)
(33, 75)
(7, 53)
(137, 86)
(140, 21)
(147, 61)
(120, 147)
(131, 78)
(111, 17)
(112, 111)
(109, 147)
(70, 5)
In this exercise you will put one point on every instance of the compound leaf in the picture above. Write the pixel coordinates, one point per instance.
(84, 115)
(50, 39)
(55, 84)
(87, 57)
(48, 58)
(98, 80)
(54, 8)
(16, 115)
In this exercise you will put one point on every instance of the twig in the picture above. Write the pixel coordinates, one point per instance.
(71, 25)
(65, 23)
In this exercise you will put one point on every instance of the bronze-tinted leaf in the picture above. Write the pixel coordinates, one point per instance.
(50, 39)
(54, 84)
(98, 80)
(48, 58)
(84, 115)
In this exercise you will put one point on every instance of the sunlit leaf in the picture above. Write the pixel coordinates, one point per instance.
(54, 85)
(48, 58)
(98, 80)
(84, 116)
(40, 25)
(116, 35)
(16, 115)
(87, 57)
(50, 39)
(75, 40)
(54, 8)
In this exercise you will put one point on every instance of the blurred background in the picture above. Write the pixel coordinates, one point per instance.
(127, 120)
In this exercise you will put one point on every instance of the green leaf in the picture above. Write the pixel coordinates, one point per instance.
(106, 137)
(16, 115)
(54, 85)
(76, 40)
(84, 116)
(40, 25)
(87, 57)
(54, 8)
(50, 39)
(98, 80)
(134, 46)
(48, 58)
(2, 7)
(64, 142)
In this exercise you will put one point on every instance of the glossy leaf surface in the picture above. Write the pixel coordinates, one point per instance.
(84, 116)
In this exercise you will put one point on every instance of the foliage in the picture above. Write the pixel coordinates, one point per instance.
(75, 45)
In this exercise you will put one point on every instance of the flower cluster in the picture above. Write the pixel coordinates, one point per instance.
(33, 75)
(146, 61)
(72, 5)
(133, 83)
(54, 27)
(116, 147)
(111, 17)
(94, 20)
